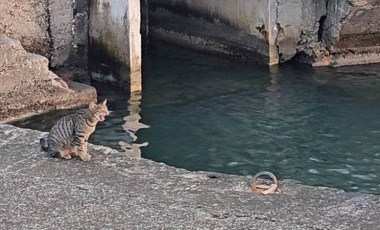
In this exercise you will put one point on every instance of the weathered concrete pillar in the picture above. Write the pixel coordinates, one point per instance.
(115, 41)
(134, 19)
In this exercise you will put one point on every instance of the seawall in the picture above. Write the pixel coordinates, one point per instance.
(320, 33)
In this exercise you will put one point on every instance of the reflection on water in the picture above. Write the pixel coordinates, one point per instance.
(132, 125)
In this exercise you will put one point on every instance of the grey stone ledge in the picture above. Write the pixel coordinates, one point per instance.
(114, 191)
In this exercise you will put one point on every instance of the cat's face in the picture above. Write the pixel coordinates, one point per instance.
(99, 111)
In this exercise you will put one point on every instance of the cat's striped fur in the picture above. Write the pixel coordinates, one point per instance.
(69, 135)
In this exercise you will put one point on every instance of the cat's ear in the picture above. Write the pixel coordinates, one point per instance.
(91, 105)
(104, 102)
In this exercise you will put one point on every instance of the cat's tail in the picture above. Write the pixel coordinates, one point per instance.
(45, 147)
(44, 144)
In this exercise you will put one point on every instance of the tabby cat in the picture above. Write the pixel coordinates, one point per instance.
(69, 135)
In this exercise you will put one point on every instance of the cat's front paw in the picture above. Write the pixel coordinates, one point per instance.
(86, 157)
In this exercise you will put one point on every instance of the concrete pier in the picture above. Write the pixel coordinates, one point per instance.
(114, 191)
(115, 41)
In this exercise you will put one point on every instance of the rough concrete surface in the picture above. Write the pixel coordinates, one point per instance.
(60, 30)
(114, 191)
(28, 87)
(26, 20)
(44, 98)
(115, 42)
(135, 49)
(56, 29)
(349, 34)
(298, 23)
(236, 29)
(317, 32)
(68, 31)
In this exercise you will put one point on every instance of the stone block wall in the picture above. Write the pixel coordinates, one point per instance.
(56, 29)
(351, 33)
(28, 87)
(27, 21)
(36, 36)
(60, 31)
(361, 27)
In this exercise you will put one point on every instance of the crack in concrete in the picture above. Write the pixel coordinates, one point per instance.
(50, 33)
(336, 19)
(322, 24)
(276, 20)
(278, 27)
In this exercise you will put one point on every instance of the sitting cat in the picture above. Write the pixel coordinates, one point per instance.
(69, 135)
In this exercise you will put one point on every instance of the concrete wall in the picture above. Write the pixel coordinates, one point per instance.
(348, 34)
(298, 22)
(68, 28)
(237, 29)
(28, 87)
(334, 32)
(273, 29)
(362, 27)
(115, 41)
(318, 32)
(26, 20)
(56, 29)
(59, 30)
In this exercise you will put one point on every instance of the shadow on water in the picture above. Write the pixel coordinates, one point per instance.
(316, 126)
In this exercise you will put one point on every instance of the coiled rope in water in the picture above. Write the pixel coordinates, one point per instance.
(264, 189)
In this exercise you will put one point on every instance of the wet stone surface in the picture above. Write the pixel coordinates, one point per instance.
(114, 191)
